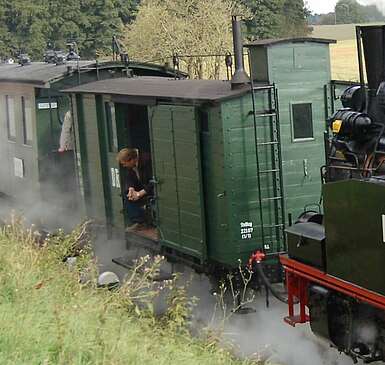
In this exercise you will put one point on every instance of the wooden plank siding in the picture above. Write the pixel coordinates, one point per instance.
(92, 170)
(177, 166)
(9, 149)
(300, 72)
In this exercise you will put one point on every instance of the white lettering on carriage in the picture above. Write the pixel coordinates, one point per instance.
(47, 105)
(117, 179)
(246, 230)
(113, 177)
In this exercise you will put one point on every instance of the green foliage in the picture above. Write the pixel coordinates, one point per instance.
(102, 22)
(179, 307)
(186, 27)
(25, 25)
(137, 293)
(266, 18)
(326, 19)
(127, 10)
(294, 18)
(276, 18)
(28, 26)
(48, 317)
(349, 11)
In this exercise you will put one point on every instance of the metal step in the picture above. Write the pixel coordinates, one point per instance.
(274, 226)
(263, 115)
(260, 88)
(273, 198)
(267, 143)
(269, 171)
(272, 113)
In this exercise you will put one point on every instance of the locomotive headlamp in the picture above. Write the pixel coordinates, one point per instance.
(346, 122)
(336, 126)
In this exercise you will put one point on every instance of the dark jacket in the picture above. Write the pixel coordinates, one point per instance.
(131, 180)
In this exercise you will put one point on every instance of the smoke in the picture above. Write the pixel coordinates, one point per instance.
(43, 194)
(263, 335)
(106, 249)
(379, 3)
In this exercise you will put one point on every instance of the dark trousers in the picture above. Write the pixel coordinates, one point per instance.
(135, 212)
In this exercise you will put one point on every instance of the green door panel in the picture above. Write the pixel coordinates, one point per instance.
(110, 167)
(177, 167)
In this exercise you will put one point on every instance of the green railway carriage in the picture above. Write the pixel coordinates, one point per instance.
(300, 69)
(32, 110)
(229, 164)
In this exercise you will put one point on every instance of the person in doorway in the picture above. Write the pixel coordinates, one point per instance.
(135, 192)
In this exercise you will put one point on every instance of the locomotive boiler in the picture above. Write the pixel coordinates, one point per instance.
(335, 262)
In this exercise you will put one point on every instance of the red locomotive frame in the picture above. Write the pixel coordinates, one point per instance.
(298, 278)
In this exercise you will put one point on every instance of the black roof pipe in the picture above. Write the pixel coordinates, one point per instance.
(240, 76)
(373, 40)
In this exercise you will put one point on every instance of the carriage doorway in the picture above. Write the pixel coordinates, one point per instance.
(125, 125)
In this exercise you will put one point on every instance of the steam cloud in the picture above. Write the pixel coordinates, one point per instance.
(379, 3)
(263, 334)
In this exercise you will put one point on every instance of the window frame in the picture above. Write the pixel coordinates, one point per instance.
(10, 116)
(302, 139)
(111, 127)
(26, 104)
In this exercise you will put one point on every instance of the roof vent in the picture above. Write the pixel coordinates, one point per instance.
(49, 56)
(24, 59)
(60, 58)
(72, 54)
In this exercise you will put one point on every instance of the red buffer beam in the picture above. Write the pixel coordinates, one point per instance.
(298, 278)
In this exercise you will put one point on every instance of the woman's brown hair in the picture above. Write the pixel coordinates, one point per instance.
(127, 154)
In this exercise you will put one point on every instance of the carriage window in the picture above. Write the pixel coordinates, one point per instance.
(27, 120)
(111, 127)
(302, 119)
(10, 115)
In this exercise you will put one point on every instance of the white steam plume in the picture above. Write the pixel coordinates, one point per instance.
(379, 3)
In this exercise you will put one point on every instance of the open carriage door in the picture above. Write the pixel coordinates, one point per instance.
(175, 137)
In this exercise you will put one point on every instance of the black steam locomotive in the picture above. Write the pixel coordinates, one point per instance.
(335, 267)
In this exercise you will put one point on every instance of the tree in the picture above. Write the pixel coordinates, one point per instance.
(5, 37)
(66, 22)
(266, 18)
(276, 18)
(327, 19)
(102, 22)
(294, 18)
(26, 23)
(185, 27)
(127, 10)
(29, 25)
(349, 11)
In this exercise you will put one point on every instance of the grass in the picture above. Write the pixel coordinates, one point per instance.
(48, 317)
(343, 54)
(344, 60)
